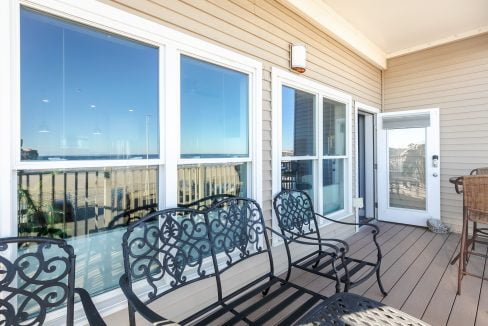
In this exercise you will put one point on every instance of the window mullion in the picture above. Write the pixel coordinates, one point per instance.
(172, 125)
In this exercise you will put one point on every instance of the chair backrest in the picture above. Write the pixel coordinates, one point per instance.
(206, 202)
(480, 171)
(39, 278)
(295, 213)
(168, 249)
(476, 197)
(237, 231)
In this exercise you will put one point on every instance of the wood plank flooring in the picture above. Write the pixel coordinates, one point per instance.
(416, 272)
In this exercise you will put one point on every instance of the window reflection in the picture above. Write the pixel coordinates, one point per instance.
(214, 110)
(334, 132)
(333, 183)
(90, 208)
(197, 181)
(297, 175)
(298, 128)
(85, 94)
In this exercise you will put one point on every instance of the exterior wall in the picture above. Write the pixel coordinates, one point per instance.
(263, 30)
(453, 77)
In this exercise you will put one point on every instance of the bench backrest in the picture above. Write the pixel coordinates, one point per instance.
(295, 213)
(175, 247)
(237, 231)
(168, 249)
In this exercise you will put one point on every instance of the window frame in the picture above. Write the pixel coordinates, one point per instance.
(280, 78)
(170, 43)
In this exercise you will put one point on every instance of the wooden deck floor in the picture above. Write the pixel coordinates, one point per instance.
(417, 274)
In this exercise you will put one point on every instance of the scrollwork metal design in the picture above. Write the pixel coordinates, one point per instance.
(167, 247)
(36, 281)
(294, 211)
(236, 229)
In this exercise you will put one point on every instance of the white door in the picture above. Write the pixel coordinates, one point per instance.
(408, 166)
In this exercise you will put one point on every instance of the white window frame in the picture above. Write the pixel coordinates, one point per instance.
(171, 44)
(279, 78)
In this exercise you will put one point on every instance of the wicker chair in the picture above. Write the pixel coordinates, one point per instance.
(475, 192)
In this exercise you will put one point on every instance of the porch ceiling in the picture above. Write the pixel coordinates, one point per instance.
(381, 29)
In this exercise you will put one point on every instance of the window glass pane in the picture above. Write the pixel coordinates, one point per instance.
(197, 181)
(90, 208)
(214, 110)
(298, 175)
(333, 183)
(85, 93)
(298, 122)
(406, 165)
(334, 120)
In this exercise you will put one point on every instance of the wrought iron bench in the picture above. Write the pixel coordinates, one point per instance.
(297, 221)
(39, 279)
(173, 248)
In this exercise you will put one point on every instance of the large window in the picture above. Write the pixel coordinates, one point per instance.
(311, 142)
(114, 121)
(214, 131)
(86, 96)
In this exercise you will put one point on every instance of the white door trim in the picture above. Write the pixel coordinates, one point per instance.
(409, 216)
(359, 106)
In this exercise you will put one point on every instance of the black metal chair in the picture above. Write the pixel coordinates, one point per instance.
(39, 279)
(173, 248)
(297, 221)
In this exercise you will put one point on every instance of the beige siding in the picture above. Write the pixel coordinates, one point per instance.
(454, 78)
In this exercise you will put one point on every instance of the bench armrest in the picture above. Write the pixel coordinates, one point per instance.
(316, 242)
(375, 227)
(91, 312)
(140, 306)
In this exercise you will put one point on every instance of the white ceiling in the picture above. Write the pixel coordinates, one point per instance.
(401, 26)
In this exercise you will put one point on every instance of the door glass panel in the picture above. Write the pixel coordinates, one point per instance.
(406, 161)
(298, 137)
(297, 175)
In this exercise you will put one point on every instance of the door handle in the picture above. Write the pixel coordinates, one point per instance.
(435, 174)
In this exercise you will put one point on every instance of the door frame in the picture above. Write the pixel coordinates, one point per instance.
(359, 106)
(433, 204)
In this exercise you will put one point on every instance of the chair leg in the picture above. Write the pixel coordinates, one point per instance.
(132, 316)
(378, 278)
(461, 256)
(474, 235)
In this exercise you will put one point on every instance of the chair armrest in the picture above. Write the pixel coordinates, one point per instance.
(375, 227)
(91, 311)
(140, 306)
(317, 242)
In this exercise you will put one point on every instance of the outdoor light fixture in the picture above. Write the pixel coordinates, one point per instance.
(298, 57)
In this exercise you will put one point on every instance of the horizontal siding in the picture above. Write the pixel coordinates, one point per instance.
(263, 30)
(453, 77)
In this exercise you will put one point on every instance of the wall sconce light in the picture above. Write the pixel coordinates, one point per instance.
(298, 60)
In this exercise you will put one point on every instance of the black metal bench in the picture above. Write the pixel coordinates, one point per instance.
(298, 223)
(170, 249)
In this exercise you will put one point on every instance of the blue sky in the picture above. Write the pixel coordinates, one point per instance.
(86, 92)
